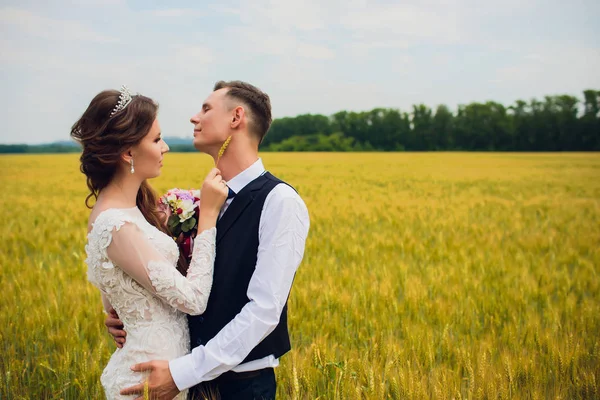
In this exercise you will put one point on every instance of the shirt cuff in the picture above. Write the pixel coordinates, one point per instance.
(182, 371)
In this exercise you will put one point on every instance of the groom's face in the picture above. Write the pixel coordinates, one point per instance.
(212, 123)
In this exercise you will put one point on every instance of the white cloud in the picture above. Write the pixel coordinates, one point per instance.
(300, 15)
(175, 13)
(222, 9)
(311, 57)
(403, 23)
(26, 22)
(571, 65)
(190, 57)
(101, 3)
(259, 41)
(549, 71)
(252, 41)
(285, 29)
(315, 51)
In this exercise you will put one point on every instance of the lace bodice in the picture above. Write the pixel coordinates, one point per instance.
(134, 266)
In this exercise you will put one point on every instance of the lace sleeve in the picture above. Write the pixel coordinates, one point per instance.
(131, 251)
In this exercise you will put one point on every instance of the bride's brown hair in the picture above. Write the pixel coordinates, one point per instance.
(104, 139)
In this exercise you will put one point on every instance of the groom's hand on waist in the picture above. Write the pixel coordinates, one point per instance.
(159, 383)
(115, 328)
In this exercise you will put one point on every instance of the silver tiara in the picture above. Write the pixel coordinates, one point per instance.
(124, 100)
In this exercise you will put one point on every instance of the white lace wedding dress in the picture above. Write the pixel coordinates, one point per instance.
(134, 266)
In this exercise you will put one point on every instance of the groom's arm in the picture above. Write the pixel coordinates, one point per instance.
(283, 230)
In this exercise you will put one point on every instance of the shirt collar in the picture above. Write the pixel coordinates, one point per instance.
(239, 181)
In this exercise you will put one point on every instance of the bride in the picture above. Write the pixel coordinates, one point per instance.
(131, 257)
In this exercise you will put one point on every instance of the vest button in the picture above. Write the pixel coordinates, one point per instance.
(201, 319)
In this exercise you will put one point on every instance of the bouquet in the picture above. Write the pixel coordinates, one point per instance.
(182, 210)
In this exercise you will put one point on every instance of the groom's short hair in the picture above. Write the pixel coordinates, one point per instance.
(255, 100)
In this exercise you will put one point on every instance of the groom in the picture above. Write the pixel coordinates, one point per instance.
(261, 234)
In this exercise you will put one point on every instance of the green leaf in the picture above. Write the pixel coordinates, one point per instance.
(188, 225)
(173, 221)
(173, 225)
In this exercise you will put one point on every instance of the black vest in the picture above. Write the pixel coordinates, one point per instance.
(237, 247)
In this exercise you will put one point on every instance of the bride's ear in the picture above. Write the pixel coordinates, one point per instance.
(126, 156)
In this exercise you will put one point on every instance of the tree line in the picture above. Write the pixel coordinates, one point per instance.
(54, 148)
(556, 123)
(38, 148)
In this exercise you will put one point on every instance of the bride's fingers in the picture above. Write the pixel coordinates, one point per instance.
(217, 178)
(213, 172)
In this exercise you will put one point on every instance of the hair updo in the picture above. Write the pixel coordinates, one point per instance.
(104, 139)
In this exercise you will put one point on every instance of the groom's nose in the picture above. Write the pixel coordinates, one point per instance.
(194, 120)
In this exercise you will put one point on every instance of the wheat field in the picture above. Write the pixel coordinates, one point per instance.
(433, 275)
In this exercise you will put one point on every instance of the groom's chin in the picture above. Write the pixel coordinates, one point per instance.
(203, 147)
(197, 145)
(200, 147)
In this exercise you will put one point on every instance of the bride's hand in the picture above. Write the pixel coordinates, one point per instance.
(213, 193)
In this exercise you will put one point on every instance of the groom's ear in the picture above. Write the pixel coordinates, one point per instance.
(237, 115)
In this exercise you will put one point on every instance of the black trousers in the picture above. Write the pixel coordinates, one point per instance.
(252, 385)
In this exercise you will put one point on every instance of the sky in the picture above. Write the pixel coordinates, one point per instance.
(310, 56)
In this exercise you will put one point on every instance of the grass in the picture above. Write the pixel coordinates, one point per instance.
(433, 275)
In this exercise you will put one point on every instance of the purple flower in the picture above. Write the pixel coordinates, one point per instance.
(185, 196)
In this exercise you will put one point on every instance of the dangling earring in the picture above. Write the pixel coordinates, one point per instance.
(132, 169)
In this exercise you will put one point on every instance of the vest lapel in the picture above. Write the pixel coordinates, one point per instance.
(240, 202)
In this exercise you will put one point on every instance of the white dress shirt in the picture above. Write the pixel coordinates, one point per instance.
(282, 233)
